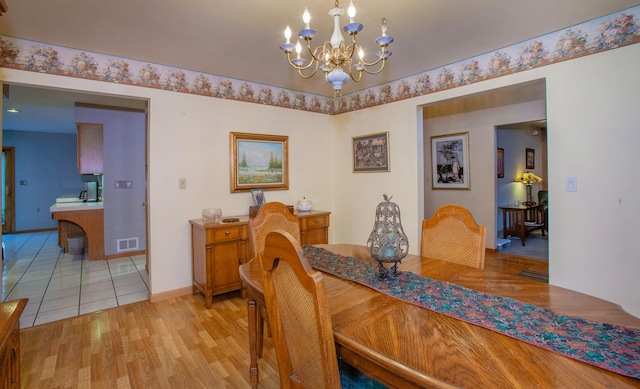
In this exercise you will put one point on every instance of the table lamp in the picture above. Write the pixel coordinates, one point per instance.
(529, 178)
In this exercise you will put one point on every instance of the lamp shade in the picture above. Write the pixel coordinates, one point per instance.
(529, 178)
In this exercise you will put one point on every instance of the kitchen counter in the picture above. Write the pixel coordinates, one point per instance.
(79, 219)
(77, 206)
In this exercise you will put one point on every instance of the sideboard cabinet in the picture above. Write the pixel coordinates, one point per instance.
(10, 312)
(218, 249)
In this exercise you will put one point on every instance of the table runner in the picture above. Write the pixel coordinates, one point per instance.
(612, 347)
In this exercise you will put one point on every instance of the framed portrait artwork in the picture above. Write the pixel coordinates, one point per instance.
(531, 158)
(371, 153)
(259, 162)
(450, 161)
(258, 197)
(500, 162)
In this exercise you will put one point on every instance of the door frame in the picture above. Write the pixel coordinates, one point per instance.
(9, 225)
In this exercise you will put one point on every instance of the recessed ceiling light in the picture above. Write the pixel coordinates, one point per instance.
(13, 110)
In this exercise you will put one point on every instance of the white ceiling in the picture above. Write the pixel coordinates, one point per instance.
(240, 39)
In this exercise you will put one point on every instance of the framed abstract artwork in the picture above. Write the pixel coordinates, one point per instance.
(371, 153)
(450, 161)
(500, 162)
(259, 162)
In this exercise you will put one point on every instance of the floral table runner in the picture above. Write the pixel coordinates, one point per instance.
(611, 347)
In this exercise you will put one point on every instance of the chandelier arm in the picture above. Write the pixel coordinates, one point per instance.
(298, 67)
(356, 79)
(349, 50)
(382, 57)
(318, 53)
(365, 69)
(315, 70)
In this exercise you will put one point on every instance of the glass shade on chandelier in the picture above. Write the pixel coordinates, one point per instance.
(335, 57)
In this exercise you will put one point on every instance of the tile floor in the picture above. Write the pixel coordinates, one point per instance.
(60, 285)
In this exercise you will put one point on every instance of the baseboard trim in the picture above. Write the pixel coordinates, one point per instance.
(125, 254)
(154, 298)
(32, 231)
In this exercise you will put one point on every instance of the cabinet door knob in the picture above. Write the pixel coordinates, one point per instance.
(227, 233)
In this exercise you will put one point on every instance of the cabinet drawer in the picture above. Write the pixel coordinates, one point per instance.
(314, 222)
(225, 233)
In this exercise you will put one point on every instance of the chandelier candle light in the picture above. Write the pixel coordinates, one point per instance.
(335, 55)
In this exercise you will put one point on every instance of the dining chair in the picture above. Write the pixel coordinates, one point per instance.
(300, 320)
(543, 200)
(271, 216)
(452, 235)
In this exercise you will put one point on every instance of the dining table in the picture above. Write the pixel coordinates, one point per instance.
(405, 345)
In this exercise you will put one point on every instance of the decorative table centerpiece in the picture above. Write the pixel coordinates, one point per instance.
(387, 243)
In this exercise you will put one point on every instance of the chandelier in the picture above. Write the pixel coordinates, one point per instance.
(335, 57)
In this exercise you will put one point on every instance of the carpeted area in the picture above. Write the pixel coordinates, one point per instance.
(536, 246)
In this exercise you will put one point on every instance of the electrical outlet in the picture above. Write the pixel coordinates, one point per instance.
(182, 183)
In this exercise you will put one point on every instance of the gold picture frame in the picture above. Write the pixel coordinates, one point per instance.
(259, 161)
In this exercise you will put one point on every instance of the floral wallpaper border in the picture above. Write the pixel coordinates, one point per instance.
(604, 33)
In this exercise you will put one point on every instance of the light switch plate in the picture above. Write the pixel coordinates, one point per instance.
(123, 184)
(571, 184)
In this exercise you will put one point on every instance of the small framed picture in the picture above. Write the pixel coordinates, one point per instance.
(500, 162)
(258, 197)
(531, 159)
(371, 153)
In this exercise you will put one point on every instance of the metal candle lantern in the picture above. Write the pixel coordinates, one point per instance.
(387, 242)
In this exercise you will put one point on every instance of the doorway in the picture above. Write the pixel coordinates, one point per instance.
(8, 189)
(523, 148)
(44, 109)
(478, 115)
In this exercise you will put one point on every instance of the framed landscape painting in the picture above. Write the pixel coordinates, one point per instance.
(371, 153)
(259, 162)
(450, 161)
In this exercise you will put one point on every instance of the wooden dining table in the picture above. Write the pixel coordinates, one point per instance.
(404, 345)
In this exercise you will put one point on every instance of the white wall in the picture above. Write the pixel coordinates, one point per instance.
(593, 135)
(189, 137)
(593, 116)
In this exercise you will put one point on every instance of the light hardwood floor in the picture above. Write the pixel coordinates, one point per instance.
(176, 343)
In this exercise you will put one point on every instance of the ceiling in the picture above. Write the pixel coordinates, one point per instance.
(240, 39)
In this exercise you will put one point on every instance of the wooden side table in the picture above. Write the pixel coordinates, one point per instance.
(521, 220)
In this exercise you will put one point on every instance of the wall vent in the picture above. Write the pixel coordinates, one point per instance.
(127, 244)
